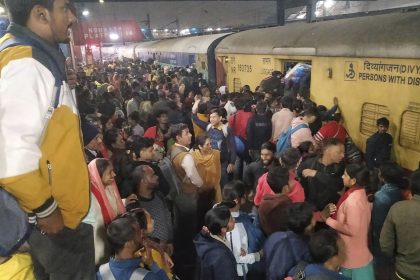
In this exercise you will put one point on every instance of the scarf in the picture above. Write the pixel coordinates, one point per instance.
(98, 190)
(209, 169)
(344, 197)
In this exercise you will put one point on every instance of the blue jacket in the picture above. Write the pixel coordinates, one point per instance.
(122, 270)
(282, 251)
(387, 196)
(320, 271)
(215, 260)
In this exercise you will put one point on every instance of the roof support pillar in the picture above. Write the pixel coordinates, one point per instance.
(310, 10)
(280, 12)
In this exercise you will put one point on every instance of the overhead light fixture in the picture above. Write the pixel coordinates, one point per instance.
(114, 36)
(85, 13)
(101, 1)
(2, 10)
(328, 3)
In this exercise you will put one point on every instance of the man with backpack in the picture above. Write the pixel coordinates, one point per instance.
(42, 160)
(298, 132)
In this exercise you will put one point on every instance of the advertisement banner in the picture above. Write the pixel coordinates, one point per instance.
(106, 32)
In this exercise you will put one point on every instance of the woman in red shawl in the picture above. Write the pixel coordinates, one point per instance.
(106, 204)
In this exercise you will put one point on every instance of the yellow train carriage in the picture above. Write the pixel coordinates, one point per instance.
(372, 64)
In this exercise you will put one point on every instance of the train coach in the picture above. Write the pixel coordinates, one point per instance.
(197, 50)
(372, 64)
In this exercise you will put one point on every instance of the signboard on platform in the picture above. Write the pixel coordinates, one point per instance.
(106, 32)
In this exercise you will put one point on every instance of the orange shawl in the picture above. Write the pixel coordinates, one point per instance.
(209, 169)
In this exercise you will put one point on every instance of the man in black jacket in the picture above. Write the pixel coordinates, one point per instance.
(378, 146)
(258, 130)
(320, 176)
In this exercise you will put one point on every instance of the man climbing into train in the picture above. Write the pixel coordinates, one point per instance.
(41, 158)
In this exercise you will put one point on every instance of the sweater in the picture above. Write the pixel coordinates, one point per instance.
(400, 237)
(272, 213)
(159, 211)
(352, 224)
(296, 195)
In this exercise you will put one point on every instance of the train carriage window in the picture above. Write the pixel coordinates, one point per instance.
(237, 85)
(410, 130)
(370, 113)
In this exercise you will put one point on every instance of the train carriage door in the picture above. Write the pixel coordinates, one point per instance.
(298, 76)
(221, 70)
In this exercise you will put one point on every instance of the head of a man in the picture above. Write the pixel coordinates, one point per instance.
(181, 134)
(328, 248)
(382, 124)
(49, 19)
(278, 180)
(143, 149)
(333, 151)
(216, 116)
(267, 153)
(145, 177)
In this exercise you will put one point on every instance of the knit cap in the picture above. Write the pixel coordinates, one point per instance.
(89, 132)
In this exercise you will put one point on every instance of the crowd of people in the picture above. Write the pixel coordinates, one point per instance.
(127, 169)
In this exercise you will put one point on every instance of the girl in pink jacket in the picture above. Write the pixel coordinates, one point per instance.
(351, 219)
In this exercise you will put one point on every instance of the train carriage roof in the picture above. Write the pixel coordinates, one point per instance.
(194, 44)
(391, 35)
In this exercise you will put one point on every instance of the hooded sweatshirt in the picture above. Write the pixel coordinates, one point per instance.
(216, 261)
(272, 213)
